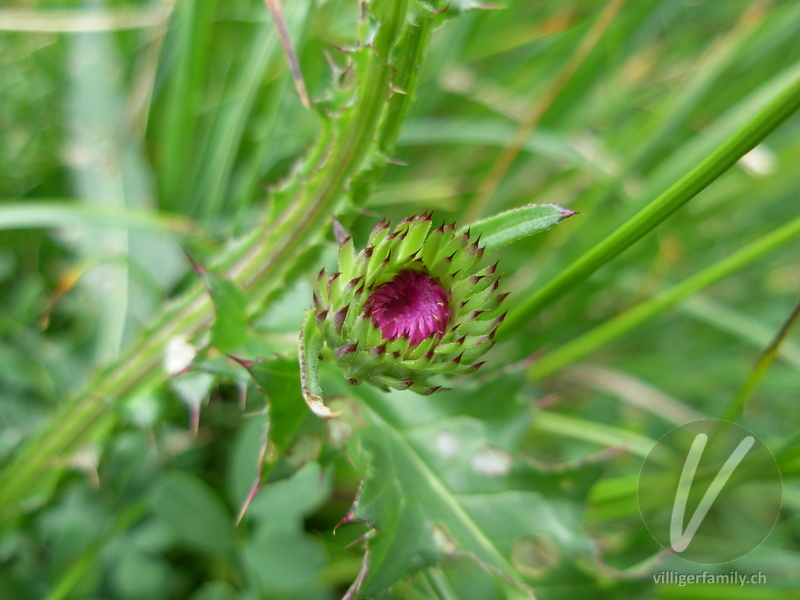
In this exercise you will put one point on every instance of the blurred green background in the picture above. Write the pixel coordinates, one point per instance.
(133, 129)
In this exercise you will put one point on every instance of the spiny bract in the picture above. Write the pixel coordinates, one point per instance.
(409, 306)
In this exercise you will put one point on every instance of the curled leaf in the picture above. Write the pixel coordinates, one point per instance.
(310, 346)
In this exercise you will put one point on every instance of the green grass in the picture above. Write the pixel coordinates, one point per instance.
(138, 134)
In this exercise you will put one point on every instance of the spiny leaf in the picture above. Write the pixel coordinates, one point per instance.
(279, 379)
(444, 483)
(518, 223)
(229, 331)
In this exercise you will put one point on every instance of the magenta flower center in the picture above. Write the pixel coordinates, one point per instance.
(412, 305)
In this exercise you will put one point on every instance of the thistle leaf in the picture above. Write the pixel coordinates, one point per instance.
(518, 223)
(229, 330)
(279, 379)
(443, 480)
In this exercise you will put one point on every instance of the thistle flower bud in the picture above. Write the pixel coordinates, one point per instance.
(412, 304)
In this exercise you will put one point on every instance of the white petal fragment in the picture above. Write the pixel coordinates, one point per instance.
(178, 355)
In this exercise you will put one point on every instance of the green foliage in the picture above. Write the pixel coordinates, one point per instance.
(443, 481)
(229, 330)
(516, 224)
(279, 379)
(193, 511)
(133, 130)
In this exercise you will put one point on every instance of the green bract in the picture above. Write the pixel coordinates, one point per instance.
(412, 304)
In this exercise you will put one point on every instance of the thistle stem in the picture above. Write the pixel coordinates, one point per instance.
(260, 263)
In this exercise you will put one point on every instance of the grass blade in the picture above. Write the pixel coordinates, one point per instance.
(510, 152)
(276, 11)
(630, 319)
(763, 363)
(46, 214)
(715, 164)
